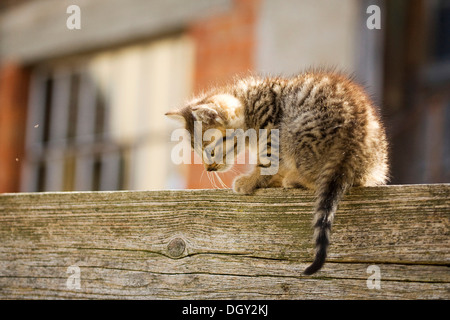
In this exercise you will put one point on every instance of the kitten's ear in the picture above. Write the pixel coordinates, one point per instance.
(207, 114)
(176, 115)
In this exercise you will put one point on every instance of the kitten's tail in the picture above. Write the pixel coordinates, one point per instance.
(329, 194)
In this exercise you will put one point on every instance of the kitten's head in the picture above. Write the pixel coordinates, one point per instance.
(207, 120)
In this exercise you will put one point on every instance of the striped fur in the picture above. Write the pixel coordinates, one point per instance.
(331, 137)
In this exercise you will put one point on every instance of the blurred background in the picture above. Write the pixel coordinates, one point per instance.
(83, 109)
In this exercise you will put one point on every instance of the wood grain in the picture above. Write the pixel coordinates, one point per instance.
(213, 244)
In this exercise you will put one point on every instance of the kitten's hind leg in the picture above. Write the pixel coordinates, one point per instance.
(290, 181)
(276, 181)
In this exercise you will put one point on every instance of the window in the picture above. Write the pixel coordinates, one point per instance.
(97, 122)
(442, 26)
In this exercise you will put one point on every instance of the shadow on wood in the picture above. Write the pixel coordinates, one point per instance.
(213, 244)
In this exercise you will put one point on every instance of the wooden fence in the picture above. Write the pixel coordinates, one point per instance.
(388, 242)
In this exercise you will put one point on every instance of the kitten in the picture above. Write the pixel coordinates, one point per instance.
(330, 138)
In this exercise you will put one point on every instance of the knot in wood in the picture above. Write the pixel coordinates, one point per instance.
(176, 247)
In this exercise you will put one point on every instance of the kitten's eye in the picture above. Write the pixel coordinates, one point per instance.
(213, 153)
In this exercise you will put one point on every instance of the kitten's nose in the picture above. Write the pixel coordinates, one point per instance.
(211, 169)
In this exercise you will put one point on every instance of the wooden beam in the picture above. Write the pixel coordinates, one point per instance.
(209, 244)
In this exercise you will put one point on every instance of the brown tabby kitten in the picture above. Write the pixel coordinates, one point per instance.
(330, 137)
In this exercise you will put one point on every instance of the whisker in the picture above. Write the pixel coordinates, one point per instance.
(212, 180)
(234, 171)
(221, 181)
(209, 178)
(201, 176)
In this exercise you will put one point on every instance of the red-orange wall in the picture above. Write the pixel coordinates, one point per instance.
(13, 106)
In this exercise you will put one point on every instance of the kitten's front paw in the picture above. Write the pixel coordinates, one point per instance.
(244, 184)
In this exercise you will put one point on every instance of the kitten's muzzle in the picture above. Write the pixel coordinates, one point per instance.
(217, 167)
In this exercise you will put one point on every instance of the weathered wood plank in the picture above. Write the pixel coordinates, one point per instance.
(232, 246)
